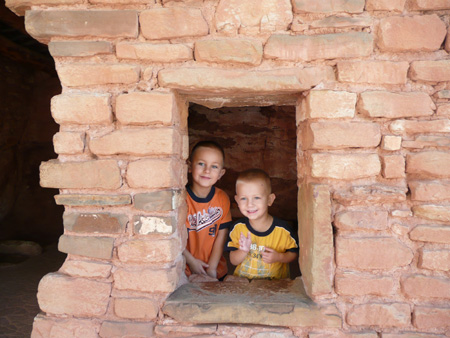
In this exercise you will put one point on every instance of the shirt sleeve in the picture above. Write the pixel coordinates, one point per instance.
(233, 239)
(292, 242)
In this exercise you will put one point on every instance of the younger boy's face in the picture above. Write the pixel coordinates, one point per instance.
(206, 167)
(253, 199)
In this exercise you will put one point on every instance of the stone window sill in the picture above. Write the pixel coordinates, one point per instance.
(276, 303)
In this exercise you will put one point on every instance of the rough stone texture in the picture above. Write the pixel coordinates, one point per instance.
(94, 247)
(86, 269)
(155, 251)
(419, 33)
(140, 108)
(126, 329)
(79, 48)
(427, 318)
(145, 225)
(340, 334)
(252, 17)
(433, 71)
(103, 174)
(436, 260)
(370, 195)
(425, 287)
(346, 166)
(314, 47)
(432, 234)
(395, 105)
(393, 166)
(79, 75)
(62, 295)
(136, 308)
(44, 25)
(430, 4)
(411, 335)
(75, 108)
(139, 142)
(164, 52)
(202, 329)
(352, 284)
(422, 141)
(429, 164)
(391, 142)
(433, 212)
(416, 127)
(68, 143)
(328, 104)
(385, 5)
(369, 253)
(237, 51)
(429, 190)
(315, 229)
(43, 327)
(153, 173)
(340, 22)
(95, 222)
(376, 220)
(376, 72)
(443, 110)
(274, 303)
(80, 200)
(328, 6)
(338, 135)
(164, 200)
(384, 315)
(183, 22)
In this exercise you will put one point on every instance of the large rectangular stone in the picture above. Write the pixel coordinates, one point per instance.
(146, 225)
(327, 104)
(68, 142)
(432, 212)
(357, 220)
(94, 247)
(149, 251)
(430, 5)
(315, 47)
(126, 329)
(86, 269)
(431, 234)
(328, 6)
(416, 127)
(54, 327)
(432, 71)
(95, 222)
(164, 52)
(426, 287)
(79, 48)
(431, 317)
(136, 308)
(435, 260)
(430, 190)
(374, 72)
(429, 163)
(385, 5)
(354, 284)
(382, 315)
(370, 195)
(163, 200)
(87, 199)
(154, 173)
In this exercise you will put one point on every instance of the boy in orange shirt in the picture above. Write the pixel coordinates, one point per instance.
(208, 214)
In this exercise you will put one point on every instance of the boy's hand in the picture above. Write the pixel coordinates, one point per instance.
(270, 256)
(245, 242)
(197, 266)
(211, 272)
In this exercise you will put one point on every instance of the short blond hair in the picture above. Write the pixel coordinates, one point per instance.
(252, 175)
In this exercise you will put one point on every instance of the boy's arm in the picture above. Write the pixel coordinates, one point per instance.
(238, 256)
(270, 256)
(197, 266)
(217, 252)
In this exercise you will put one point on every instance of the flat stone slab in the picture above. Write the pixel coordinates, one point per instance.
(265, 302)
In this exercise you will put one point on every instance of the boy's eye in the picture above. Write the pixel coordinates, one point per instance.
(201, 164)
(215, 167)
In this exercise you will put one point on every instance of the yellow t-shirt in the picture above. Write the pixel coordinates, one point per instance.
(279, 237)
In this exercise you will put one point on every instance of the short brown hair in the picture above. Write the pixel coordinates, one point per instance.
(255, 174)
(207, 144)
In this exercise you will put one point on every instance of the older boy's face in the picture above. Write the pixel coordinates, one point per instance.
(206, 167)
(253, 199)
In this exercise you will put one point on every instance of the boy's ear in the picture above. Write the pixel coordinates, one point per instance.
(271, 199)
(222, 172)
(236, 198)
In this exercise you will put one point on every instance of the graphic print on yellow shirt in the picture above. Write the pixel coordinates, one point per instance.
(279, 237)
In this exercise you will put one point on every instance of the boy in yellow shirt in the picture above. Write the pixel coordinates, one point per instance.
(262, 246)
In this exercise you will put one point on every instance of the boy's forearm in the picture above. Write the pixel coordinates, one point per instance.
(217, 250)
(237, 256)
(189, 257)
(288, 257)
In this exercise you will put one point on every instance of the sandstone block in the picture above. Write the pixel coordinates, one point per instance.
(430, 5)
(429, 163)
(145, 225)
(443, 110)
(340, 22)
(443, 94)
(430, 233)
(126, 329)
(80, 200)
(202, 329)
(238, 51)
(345, 167)
(418, 33)
(384, 315)
(136, 308)
(429, 318)
(233, 16)
(153, 173)
(433, 71)
(80, 75)
(432, 212)
(369, 253)
(395, 105)
(328, 6)
(422, 141)
(95, 222)
(447, 42)
(47, 327)
(411, 335)
(426, 287)
(20, 6)
(164, 52)
(86, 269)
(376, 72)
(337, 135)
(430, 190)
(391, 142)
(416, 127)
(102, 174)
(62, 295)
(328, 104)
(184, 22)
(361, 220)
(43, 25)
(315, 47)
(82, 108)
(436, 260)
(68, 143)
(341, 334)
(139, 142)
(79, 48)
(393, 166)
(352, 284)
(385, 5)
(154, 251)
(146, 108)
(370, 195)
(163, 200)
(94, 247)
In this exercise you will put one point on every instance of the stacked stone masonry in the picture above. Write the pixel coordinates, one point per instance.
(370, 81)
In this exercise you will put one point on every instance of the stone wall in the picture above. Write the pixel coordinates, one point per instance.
(369, 81)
